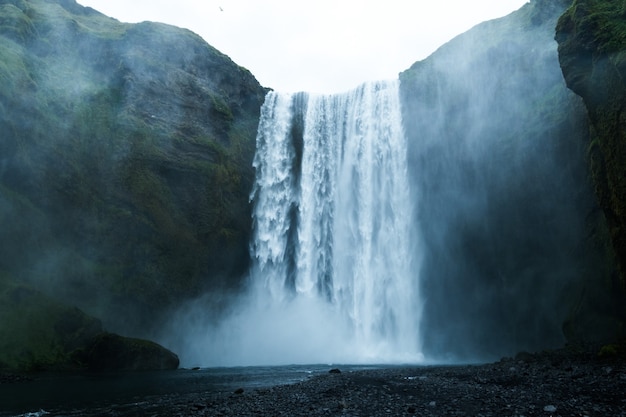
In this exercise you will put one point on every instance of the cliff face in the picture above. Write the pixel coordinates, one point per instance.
(125, 161)
(504, 205)
(592, 53)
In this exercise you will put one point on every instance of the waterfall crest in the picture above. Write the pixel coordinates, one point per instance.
(332, 221)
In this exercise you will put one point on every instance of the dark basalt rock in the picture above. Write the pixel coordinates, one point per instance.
(108, 351)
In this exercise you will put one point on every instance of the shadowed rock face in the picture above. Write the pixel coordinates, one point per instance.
(125, 161)
(109, 351)
(592, 53)
(39, 333)
(504, 206)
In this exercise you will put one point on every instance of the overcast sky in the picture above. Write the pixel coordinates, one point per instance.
(321, 46)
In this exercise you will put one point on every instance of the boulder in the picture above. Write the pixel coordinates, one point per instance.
(112, 352)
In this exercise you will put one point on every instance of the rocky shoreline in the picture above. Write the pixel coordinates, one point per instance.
(528, 385)
(547, 384)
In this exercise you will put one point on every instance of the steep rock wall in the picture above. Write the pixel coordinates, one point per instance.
(125, 161)
(592, 53)
(507, 214)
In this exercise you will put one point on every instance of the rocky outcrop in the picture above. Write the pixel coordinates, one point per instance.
(125, 161)
(39, 333)
(592, 53)
(108, 351)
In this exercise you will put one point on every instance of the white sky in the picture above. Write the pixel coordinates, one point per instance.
(321, 46)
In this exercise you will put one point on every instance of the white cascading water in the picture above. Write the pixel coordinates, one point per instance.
(332, 244)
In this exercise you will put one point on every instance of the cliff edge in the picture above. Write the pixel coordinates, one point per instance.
(591, 35)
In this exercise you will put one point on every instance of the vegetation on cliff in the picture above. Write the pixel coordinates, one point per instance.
(125, 161)
(592, 51)
(40, 333)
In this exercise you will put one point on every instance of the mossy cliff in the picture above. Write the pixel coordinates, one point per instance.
(592, 51)
(125, 161)
(126, 164)
(40, 333)
(497, 148)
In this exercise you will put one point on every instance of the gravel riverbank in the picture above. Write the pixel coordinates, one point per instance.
(554, 384)
(550, 386)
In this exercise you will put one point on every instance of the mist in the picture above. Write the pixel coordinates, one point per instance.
(256, 330)
(332, 277)
(497, 230)
(442, 217)
(504, 201)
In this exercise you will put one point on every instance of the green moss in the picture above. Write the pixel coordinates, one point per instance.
(592, 44)
(125, 160)
(608, 351)
(14, 74)
(38, 332)
(14, 23)
(47, 15)
(109, 351)
(600, 21)
(221, 108)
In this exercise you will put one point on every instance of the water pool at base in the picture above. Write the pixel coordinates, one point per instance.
(76, 394)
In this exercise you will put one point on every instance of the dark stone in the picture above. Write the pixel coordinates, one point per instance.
(465, 390)
(12, 378)
(591, 40)
(108, 351)
(334, 371)
(524, 356)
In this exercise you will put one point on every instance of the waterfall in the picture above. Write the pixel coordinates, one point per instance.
(332, 234)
